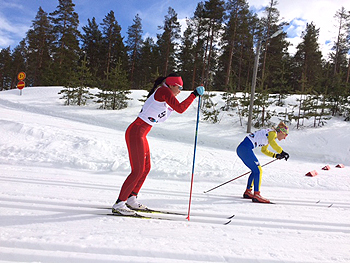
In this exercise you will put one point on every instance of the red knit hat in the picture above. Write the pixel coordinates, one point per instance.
(173, 81)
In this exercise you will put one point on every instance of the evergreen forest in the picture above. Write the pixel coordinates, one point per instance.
(217, 49)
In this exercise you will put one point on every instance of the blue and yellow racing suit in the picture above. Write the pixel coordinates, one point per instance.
(262, 138)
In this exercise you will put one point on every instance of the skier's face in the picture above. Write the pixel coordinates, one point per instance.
(281, 136)
(175, 89)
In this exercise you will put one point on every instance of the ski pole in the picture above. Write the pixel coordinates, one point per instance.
(237, 177)
(194, 158)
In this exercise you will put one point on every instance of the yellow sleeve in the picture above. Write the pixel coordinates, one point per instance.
(272, 141)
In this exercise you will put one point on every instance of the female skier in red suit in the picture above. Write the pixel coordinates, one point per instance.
(161, 102)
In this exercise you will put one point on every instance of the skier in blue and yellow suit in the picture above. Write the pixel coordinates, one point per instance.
(262, 138)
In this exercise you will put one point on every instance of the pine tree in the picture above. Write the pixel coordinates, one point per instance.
(92, 48)
(39, 39)
(191, 54)
(339, 89)
(77, 91)
(19, 61)
(113, 46)
(66, 45)
(308, 60)
(134, 43)
(342, 45)
(236, 46)
(114, 89)
(187, 56)
(268, 25)
(261, 113)
(213, 13)
(119, 86)
(147, 68)
(308, 67)
(274, 50)
(231, 101)
(167, 42)
(209, 109)
(280, 80)
(277, 64)
(5, 69)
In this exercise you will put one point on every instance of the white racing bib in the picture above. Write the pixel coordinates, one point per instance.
(259, 138)
(154, 111)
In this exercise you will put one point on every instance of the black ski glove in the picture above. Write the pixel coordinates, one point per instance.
(282, 155)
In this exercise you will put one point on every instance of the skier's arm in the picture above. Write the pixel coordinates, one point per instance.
(165, 94)
(272, 141)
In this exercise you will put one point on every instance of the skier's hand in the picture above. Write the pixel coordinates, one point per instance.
(199, 91)
(285, 155)
(278, 156)
(282, 155)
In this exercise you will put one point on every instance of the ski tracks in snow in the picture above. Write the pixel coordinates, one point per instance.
(44, 211)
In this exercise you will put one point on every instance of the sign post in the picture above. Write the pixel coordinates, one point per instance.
(21, 84)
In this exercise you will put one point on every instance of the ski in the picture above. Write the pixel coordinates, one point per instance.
(303, 203)
(138, 216)
(155, 211)
(204, 218)
(170, 217)
(317, 203)
(165, 212)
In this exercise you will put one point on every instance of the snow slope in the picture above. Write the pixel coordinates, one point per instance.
(61, 166)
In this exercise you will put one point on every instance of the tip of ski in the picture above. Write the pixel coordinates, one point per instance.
(227, 222)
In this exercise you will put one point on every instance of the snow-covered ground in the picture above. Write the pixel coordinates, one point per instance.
(61, 166)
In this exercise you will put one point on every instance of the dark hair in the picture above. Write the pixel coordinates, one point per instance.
(159, 81)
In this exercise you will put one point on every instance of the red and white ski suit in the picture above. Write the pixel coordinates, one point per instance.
(157, 108)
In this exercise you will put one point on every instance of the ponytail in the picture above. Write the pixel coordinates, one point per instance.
(157, 83)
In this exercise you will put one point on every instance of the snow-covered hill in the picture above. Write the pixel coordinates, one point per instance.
(60, 166)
